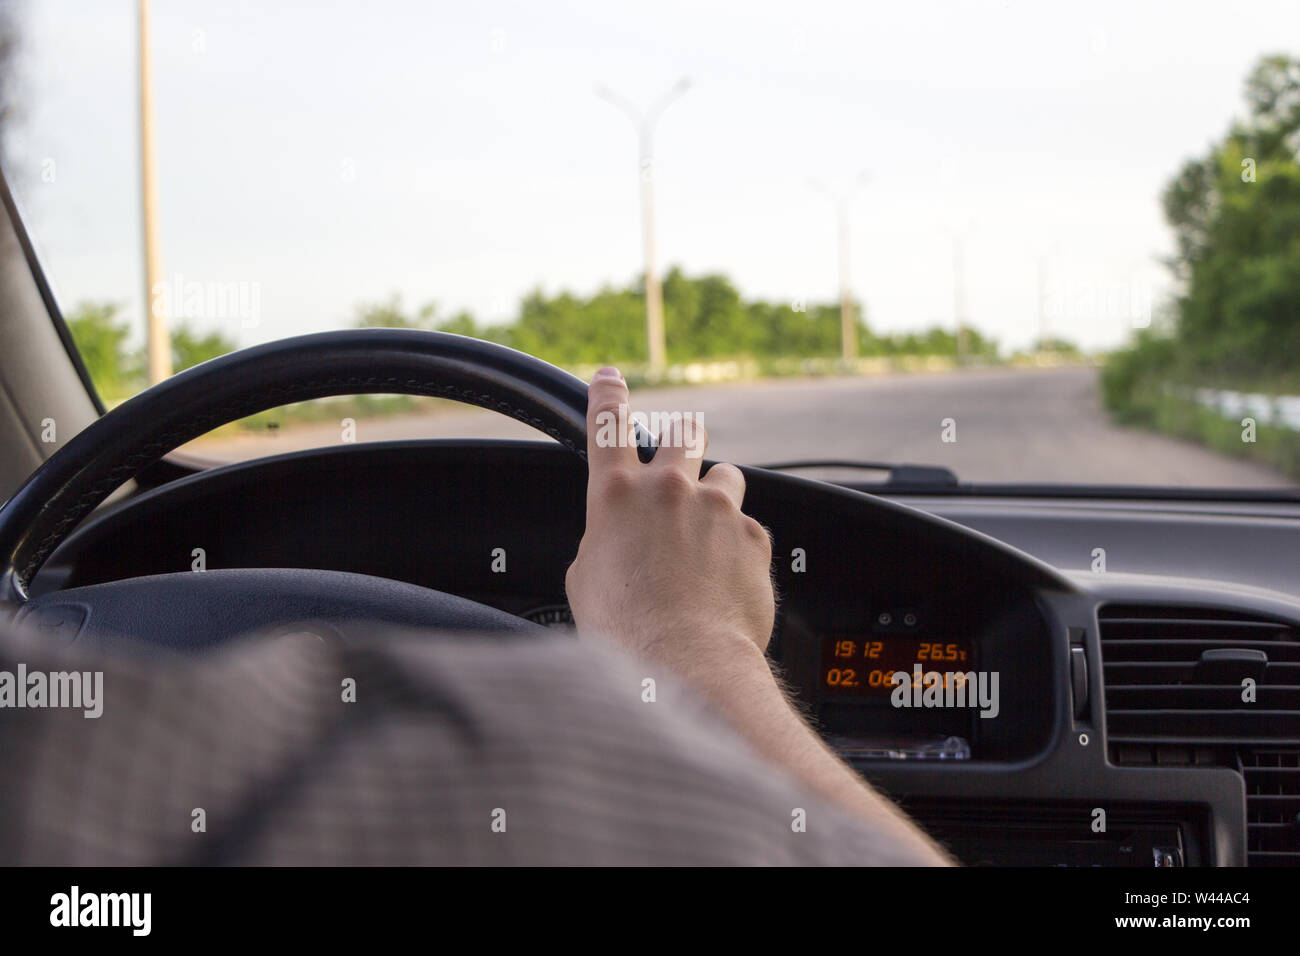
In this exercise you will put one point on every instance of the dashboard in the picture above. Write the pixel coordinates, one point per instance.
(1025, 712)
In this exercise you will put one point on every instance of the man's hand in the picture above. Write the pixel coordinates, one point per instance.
(669, 566)
(672, 571)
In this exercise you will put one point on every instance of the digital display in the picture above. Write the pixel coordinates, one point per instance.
(857, 666)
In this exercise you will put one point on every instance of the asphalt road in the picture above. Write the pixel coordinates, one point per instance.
(1012, 425)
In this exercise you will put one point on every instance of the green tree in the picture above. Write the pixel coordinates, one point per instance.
(101, 337)
(1236, 219)
(567, 329)
(190, 347)
(705, 317)
(391, 315)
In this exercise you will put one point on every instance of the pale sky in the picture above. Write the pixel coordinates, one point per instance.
(329, 154)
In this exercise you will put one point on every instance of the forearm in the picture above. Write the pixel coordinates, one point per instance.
(734, 675)
(673, 571)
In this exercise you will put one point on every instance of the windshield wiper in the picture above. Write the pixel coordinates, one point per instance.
(928, 476)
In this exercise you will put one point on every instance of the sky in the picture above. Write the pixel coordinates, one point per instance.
(319, 156)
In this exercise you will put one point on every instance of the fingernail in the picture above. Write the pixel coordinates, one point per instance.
(609, 372)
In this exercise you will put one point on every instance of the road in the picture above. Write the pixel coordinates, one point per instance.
(1011, 425)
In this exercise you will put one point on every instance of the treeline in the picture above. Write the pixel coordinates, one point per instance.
(705, 317)
(1235, 213)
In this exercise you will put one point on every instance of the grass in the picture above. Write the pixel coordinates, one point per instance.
(334, 410)
(1147, 404)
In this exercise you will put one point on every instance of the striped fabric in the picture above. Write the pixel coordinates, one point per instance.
(456, 750)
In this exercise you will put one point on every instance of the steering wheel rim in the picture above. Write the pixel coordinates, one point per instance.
(119, 445)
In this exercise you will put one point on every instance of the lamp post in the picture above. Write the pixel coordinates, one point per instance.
(645, 123)
(842, 200)
(959, 297)
(159, 342)
(960, 307)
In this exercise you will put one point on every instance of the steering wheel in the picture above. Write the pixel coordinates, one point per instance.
(192, 609)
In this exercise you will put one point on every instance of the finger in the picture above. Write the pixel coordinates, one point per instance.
(681, 445)
(729, 479)
(609, 442)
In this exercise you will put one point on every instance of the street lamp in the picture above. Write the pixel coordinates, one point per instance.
(645, 124)
(159, 349)
(959, 305)
(842, 199)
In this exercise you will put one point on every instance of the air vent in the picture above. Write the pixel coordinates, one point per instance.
(1272, 806)
(1180, 676)
(1179, 684)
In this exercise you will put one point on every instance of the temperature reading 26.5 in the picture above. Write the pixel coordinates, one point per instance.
(940, 652)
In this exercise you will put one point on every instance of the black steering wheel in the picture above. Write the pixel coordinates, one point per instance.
(192, 609)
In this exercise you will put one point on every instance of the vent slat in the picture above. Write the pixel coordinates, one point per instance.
(1130, 673)
(1292, 667)
(1192, 622)
(1154, 650)
(1209, 724)
(1196, 696)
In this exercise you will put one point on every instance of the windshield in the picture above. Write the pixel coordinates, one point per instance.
(1024, 242)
